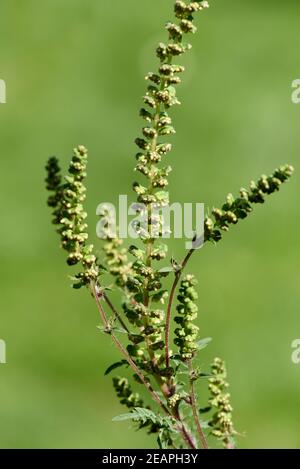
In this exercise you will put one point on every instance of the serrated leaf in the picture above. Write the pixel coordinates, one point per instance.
(144, 415)
(139, 413)
(121, 417)
(114, 366)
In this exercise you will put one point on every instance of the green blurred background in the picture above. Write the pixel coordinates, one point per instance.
(74, 72)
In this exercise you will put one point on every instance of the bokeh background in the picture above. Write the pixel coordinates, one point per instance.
(74, 72)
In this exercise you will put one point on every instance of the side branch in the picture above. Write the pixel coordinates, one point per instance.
(233, 210)
(124, 352)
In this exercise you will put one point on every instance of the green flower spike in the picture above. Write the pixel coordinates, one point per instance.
(221, 421)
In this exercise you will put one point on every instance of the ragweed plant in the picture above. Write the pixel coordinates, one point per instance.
(140, 326)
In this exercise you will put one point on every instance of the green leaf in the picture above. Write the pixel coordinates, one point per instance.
(121, 417)
(114, 366)
(203, 343)
(172, 90)
(166, 270)
(139, 413)
(119, 329)
(163, 440)
(144, 415)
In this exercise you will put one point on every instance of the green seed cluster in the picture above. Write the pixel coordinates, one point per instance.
(160, 96)
(145, 280)
(236, 209)
(66, 200)
(145, 283)
(187, 309)
(116, 259)
(150, 322)
(221, 421)
(174, 400)
(125, 394)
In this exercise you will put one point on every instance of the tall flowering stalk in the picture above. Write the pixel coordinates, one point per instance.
(145, 314)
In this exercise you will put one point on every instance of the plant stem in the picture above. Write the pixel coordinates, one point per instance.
(115, 312)
(181, 427)
(124, 352)
(195, 410)
(187, 437)
(150, 243)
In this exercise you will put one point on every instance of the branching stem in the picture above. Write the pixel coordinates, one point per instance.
(115, 312)
(180, 425)
(124, 352)
(195, 410)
